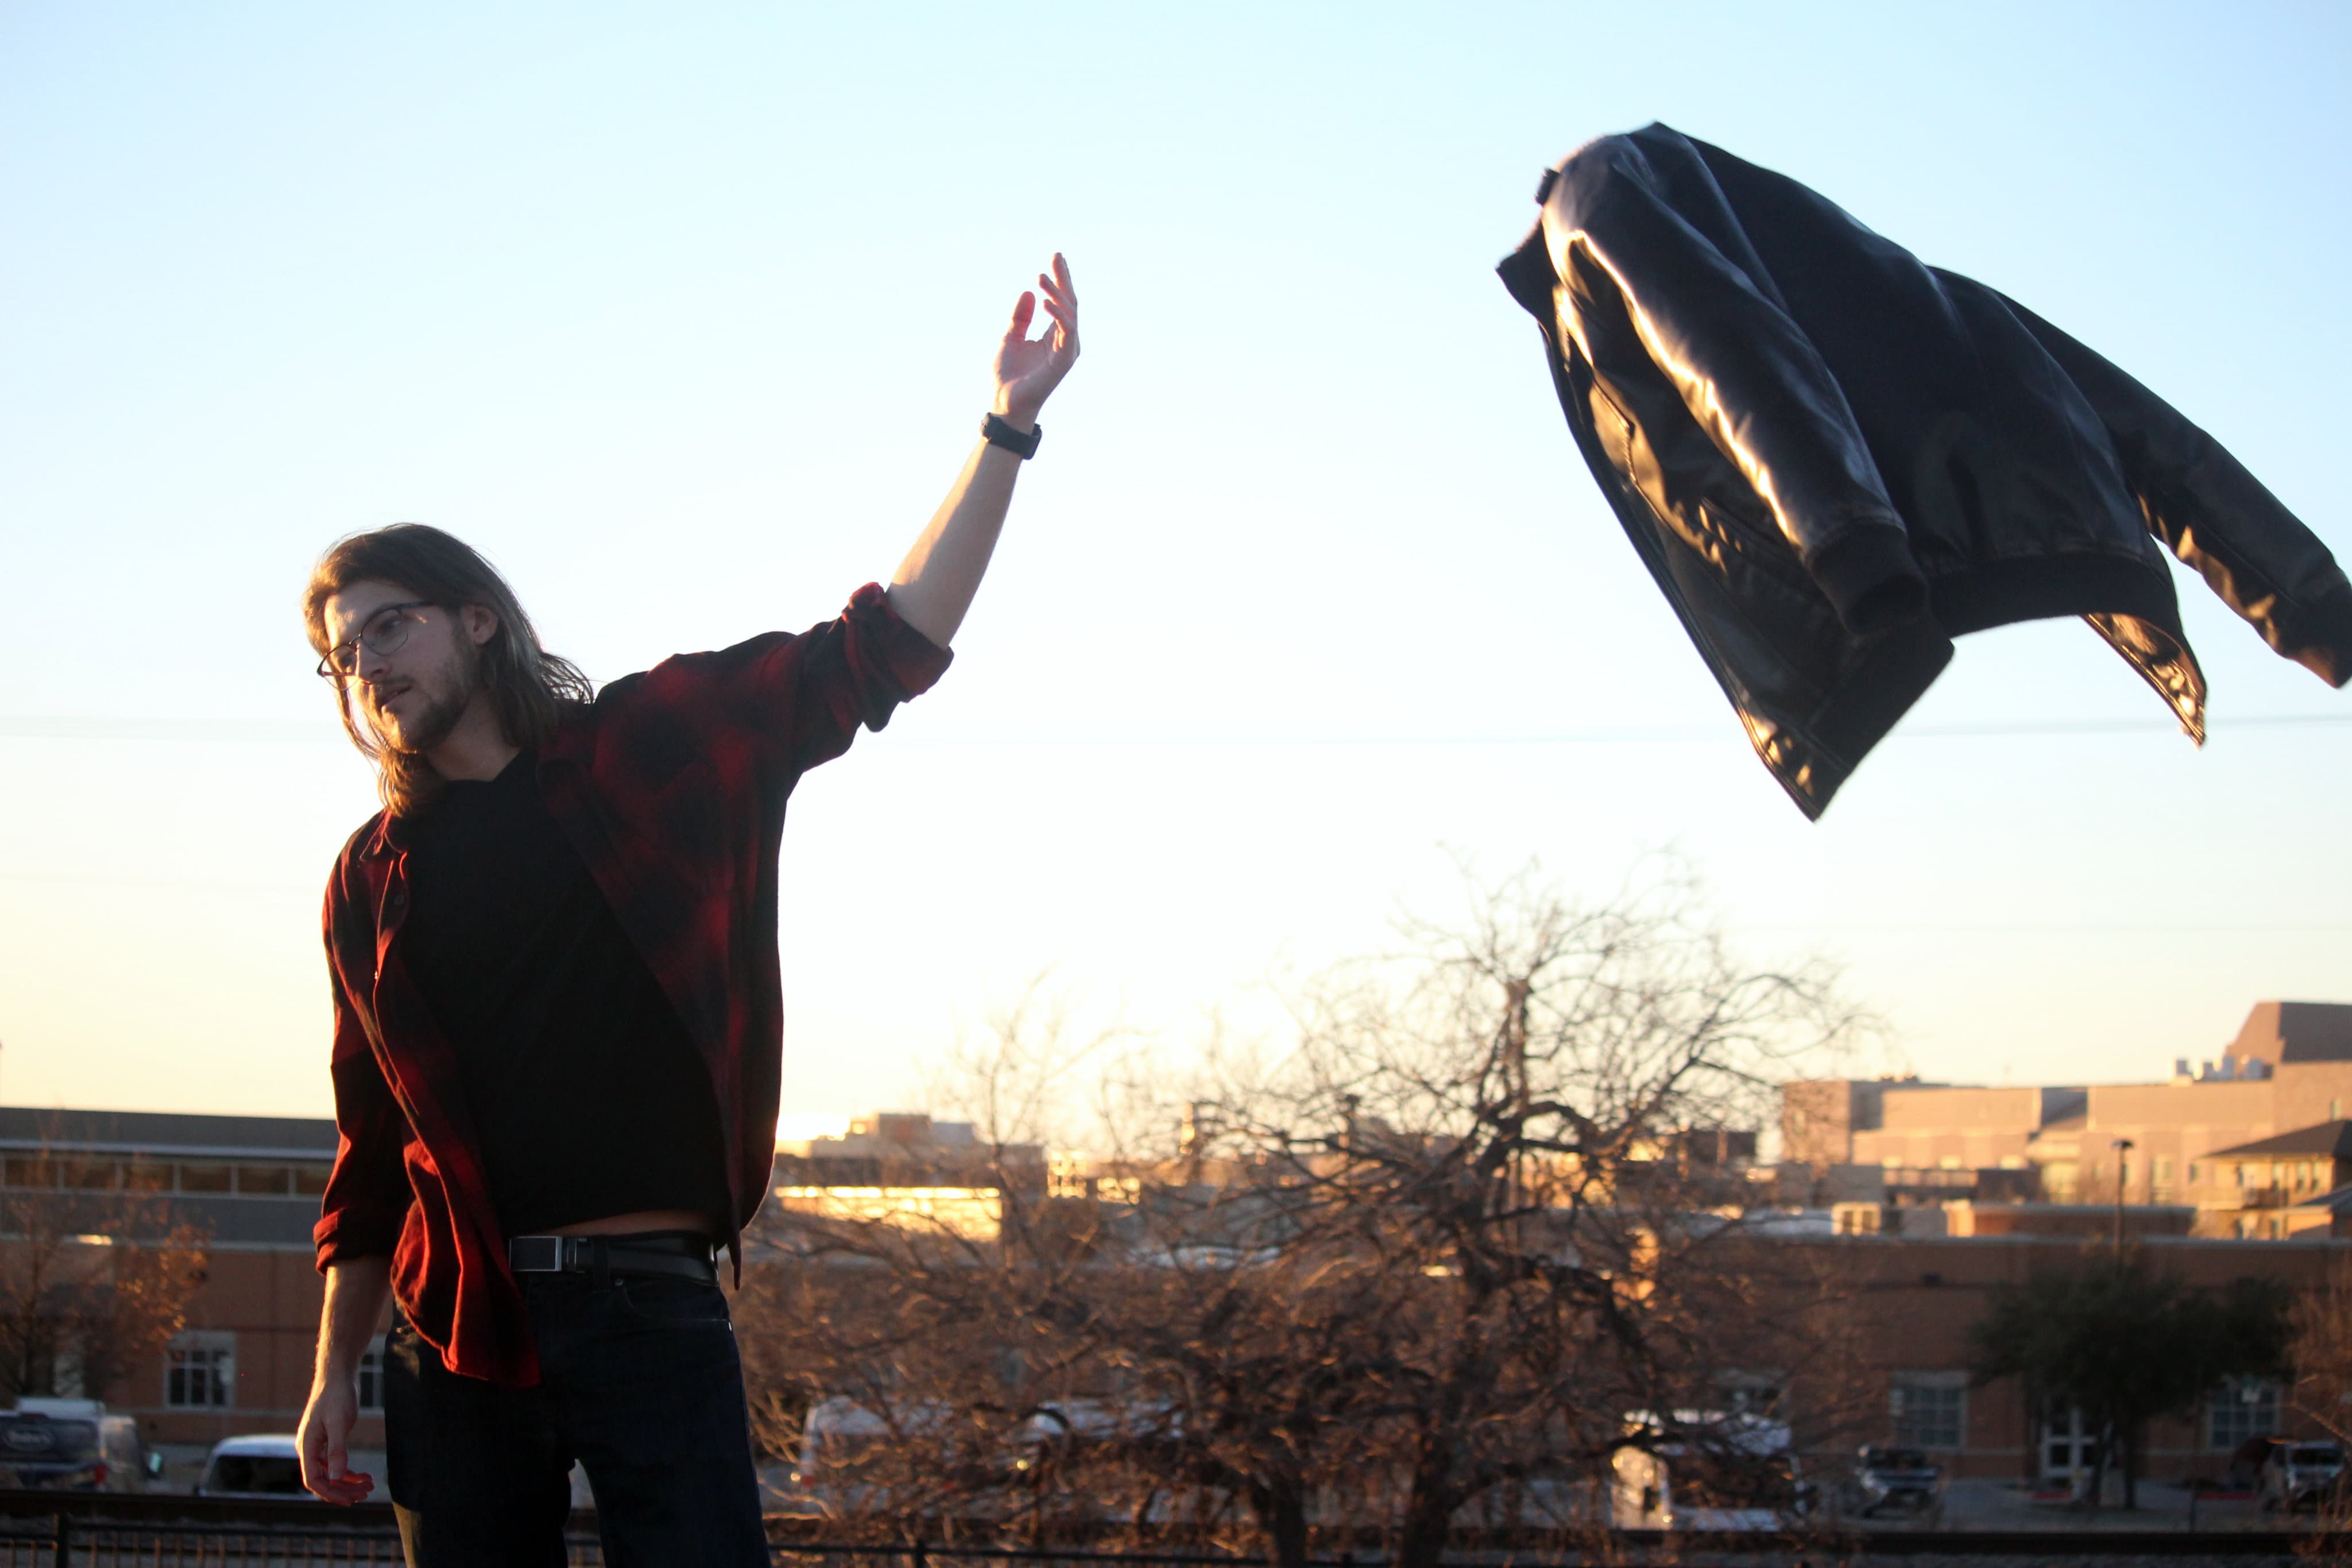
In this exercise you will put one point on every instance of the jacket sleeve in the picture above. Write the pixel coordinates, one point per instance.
(2215, 516)
(367, 1192)
(793, 700)
(1745, 371)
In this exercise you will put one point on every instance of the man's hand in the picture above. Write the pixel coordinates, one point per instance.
(326, 1430)
(1028, 370)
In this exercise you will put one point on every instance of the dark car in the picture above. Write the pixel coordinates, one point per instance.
(1895, 1483)
(2300, 1475)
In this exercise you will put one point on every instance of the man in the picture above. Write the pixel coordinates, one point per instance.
(558, 1019)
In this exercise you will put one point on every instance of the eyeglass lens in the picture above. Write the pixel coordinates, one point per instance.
(383, 634)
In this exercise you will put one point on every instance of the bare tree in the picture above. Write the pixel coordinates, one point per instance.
(1472, 1235)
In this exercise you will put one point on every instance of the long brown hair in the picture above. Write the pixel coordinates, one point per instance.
(531, 689)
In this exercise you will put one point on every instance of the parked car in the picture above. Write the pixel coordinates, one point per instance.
(2300, 1475)
(1893, 1483)
(268, 1465)
(1707, 1469)
(73, 1445)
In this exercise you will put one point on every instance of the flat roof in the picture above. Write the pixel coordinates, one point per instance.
(167, 1134)
(2331, 1138)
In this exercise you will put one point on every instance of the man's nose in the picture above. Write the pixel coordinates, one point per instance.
(372, 667)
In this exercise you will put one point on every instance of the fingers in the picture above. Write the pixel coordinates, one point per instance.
(1064, 301)
(326, 1465)
(1024, 310)
(332, 1477)
(1061, 299)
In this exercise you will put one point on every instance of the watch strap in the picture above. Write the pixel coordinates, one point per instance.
(1000, 433)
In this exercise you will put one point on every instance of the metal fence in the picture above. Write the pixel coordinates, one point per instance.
(88, 1539)
(68, 1541)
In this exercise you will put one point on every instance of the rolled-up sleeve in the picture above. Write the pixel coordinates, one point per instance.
(785, 701)
(367, 1193)
(853, 670)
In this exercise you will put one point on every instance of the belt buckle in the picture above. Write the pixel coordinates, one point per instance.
(535, 1254)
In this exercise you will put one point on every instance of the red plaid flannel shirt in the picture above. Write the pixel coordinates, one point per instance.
(672, 786)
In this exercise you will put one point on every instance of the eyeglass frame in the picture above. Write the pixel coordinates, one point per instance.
(327, 670)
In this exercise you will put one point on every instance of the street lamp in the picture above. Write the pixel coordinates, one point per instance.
(2123, 1148)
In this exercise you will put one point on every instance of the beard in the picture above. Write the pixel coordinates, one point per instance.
(447, 693)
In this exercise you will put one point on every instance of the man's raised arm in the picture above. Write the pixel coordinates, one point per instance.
(934, 585)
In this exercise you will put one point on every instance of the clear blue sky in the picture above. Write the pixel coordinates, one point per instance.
(686, 323)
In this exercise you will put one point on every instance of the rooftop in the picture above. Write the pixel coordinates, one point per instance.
(2331, 1139)
(166, 1132)
(2296, 1031)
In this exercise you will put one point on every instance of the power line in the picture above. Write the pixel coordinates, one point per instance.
(1875, 928)
(275, 732)
(93, 878)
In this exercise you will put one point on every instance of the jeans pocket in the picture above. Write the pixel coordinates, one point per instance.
(666, 1303)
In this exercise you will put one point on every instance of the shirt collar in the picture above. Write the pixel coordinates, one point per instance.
(390, 837)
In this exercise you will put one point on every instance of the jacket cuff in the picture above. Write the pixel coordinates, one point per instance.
(1870, 579)
(913, 660)
(2320, 637)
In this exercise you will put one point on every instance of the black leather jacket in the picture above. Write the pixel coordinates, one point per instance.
(1835, 458)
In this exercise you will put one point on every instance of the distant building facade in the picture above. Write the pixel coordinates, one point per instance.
(2289, 1067)
(909, 1166)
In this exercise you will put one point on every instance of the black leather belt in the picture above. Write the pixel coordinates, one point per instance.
(675, 1253)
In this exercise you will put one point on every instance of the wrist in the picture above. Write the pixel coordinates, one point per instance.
(1024, 419)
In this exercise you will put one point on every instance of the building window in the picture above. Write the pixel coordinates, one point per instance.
(372, 1378)
(200, 1371)
(1930, 1409)
(203, 1179)
(2161, 1177)
(276, 1181)
(95, 1174)
(2244, 1408)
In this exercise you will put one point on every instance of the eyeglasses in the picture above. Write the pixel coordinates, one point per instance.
(384, 632)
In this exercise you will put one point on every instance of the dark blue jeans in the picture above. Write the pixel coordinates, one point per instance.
(639, 1382)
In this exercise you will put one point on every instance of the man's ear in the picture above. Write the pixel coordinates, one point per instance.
(480, 621)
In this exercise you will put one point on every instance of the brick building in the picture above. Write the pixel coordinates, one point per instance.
(1917, 1298)
(250, 1185)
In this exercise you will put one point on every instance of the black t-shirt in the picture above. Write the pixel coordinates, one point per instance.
(588, 1099)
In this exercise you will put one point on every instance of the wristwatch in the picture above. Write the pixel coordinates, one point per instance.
(1000, 433)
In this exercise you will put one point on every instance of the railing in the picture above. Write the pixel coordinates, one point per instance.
(134, 1531)
(113, 1530)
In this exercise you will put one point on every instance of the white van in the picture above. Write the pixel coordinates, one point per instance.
(73, 1445)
